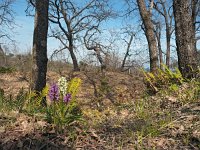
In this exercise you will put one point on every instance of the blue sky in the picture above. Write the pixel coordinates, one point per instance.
(24, 29)
(25, 24)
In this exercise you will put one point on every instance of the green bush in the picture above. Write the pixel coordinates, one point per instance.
(163, 79)
(6, 69)
(172, 84)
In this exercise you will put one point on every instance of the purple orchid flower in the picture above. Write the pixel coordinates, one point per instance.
(67, 98)
(54, 92)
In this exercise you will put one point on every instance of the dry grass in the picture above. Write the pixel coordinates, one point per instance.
(123, 117)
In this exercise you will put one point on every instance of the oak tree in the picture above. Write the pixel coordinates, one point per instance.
(72, 19)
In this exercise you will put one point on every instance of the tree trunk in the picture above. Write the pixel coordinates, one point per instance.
(73, 56)
(165, 12)
(127, 52)
(168, 26)
(168, 37)
(185, 43)
(39, 51)
(103, 63)
(168, 34)
(74, 60)
(160, 55)
(149, 32)
(158, 35)
(195, 12)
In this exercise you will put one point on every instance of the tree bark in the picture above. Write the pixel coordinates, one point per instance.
(73, 56)
(185, 42)
(158, 36)
(168, 37)
(166, 13)
(74, 60)
(149, 32)
(39, 51)
(168, 40)
(168, 26)
(195, 12)
(127, 52)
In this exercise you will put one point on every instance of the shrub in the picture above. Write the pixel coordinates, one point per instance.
(171, 84)
(162, 79)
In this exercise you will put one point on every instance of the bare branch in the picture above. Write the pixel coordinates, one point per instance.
(6, 19)
(57, 51)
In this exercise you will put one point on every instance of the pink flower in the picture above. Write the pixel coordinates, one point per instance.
(67, 98)
(54, 92)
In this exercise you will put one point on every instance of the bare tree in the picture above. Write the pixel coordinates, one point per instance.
(149, 32)
(72, 19)
(185, 41)
(128, 48)
(158, 30)
(6, 18)
(93, 44)
(39, 51)
(164, 8)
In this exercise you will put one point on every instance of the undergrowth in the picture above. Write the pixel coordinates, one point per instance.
(123, 126)
(7, 69)
(163, 79)
(59, 112)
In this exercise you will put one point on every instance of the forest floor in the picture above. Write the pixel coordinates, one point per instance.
(125, 117)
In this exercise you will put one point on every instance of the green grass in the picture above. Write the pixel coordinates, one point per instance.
(6, 69)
